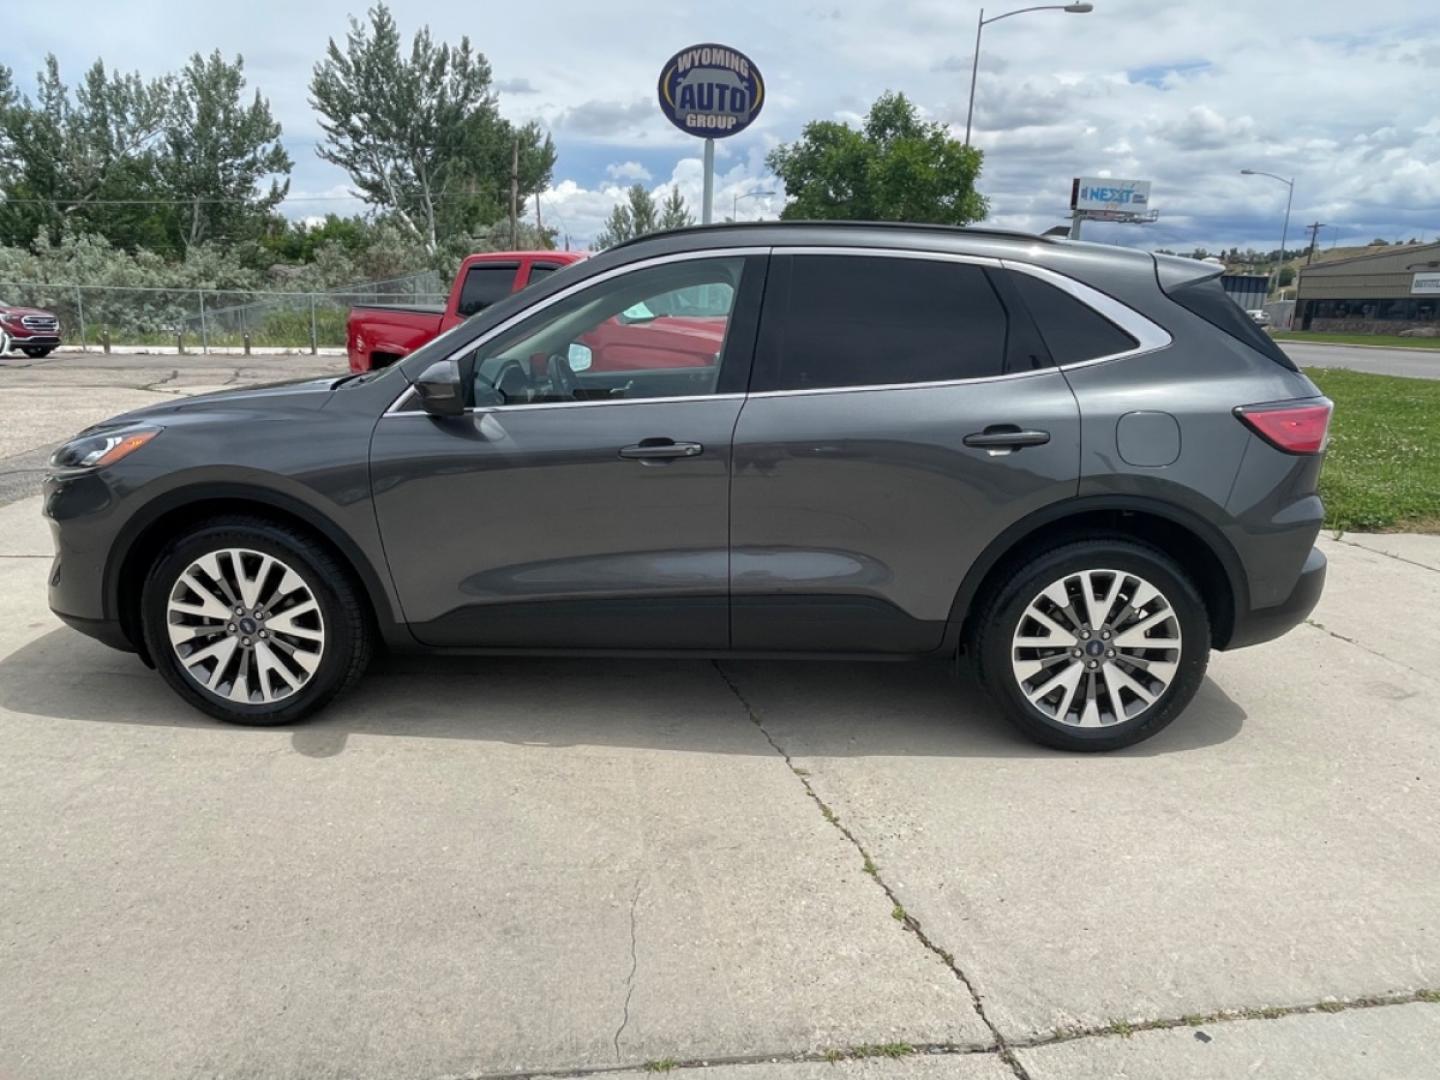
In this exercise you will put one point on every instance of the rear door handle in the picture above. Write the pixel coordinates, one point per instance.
(661, 449)
(1006, 437)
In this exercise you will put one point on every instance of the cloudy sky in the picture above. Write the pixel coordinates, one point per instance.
(1340, 95)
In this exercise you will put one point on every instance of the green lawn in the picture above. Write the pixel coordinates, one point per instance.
(1383, 468)
(1392, 340)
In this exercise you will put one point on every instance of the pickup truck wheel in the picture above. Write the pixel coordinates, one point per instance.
(1094, 645)
(253, 622)
(37, 353)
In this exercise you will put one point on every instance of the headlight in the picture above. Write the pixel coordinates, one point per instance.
(103, 448)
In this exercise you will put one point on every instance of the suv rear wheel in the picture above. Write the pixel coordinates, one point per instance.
(1094, 645)
(254, 622)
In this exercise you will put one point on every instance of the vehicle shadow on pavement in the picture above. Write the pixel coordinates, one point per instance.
(813, 707)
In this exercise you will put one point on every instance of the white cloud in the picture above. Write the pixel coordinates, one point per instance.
(627, 170)
(1183, 94)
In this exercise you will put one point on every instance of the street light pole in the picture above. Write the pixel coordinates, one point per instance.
(1285, 228)
(982, 22)
(735, 202)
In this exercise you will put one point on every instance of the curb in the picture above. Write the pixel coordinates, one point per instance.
(1282, 342)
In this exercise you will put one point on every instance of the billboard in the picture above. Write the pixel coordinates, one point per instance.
(1106, 194)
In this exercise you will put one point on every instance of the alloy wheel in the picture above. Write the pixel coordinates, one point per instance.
(1096, 648)
(245, 626)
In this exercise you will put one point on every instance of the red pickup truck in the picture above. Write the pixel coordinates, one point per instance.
(378, 335)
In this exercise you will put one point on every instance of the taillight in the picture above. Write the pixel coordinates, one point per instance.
(1295, 429)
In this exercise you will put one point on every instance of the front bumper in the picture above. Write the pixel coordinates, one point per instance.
(1266, 624)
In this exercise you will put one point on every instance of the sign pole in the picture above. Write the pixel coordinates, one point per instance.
(707, 204)
(1075, 220)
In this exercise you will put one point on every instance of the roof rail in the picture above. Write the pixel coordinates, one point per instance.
(916, 226)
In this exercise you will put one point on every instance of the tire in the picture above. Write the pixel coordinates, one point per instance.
(1025, 644)
(39, 353)
(279, 664)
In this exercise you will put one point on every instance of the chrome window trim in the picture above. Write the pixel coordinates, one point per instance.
(1150, 336)
(397, 406)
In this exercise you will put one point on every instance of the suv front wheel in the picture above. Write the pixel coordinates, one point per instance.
(254, 622)
(1094, 645)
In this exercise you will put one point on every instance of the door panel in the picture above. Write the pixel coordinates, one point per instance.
(525, 528)
(572, 507)
(855, 515)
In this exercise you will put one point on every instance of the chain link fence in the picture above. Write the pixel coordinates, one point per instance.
(115, 316)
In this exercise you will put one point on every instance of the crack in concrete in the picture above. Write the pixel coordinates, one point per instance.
(1387, 554)
(634, 965)
(1364, 648)
(1053, 1038)
(154, 386)
(1429, 997)
(1002, 1046)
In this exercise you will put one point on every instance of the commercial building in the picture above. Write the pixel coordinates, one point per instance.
(1247, 290)
(1391, 290)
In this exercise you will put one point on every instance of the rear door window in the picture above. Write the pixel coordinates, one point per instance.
(1073, 330)
(485, 284)
(540, 271)
(834, 321)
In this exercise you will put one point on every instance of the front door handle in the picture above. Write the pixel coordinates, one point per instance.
(1001, 437)
(661, 449)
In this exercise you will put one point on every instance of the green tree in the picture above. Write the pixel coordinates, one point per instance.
(897, 167)
(636, 216)
(217, 151)
(1286, 276)
(82, 162)
(674, 214)
(421, 135)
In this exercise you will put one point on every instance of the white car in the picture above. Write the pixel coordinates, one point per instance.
(1259, 316)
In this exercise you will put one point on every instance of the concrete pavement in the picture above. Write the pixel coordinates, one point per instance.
(511, 866)
(1411, 363)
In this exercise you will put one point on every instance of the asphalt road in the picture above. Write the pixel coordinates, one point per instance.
(1412, 363)
(510, 867)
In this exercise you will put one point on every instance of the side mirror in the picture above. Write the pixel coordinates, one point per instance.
(439, 389)
(579, 357)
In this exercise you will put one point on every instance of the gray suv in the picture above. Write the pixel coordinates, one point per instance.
(1081, 467)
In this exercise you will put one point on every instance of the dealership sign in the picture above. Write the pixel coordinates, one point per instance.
(711, 91)
(1103, 194)
(1427, 284)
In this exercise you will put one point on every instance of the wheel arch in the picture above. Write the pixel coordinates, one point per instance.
(1200, 548)
(147, 532)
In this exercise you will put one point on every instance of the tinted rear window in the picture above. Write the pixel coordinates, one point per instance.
(485, 285)
(1208, 300)
(1073, 331)
(849, 320)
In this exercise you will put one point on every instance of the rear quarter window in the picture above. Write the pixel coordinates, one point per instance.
(1073, 331)
(1212, 303)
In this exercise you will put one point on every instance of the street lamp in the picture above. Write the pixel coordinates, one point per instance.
(1071, 9)
(1284, 229)
(735, 202)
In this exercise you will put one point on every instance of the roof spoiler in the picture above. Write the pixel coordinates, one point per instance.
(1174, 272)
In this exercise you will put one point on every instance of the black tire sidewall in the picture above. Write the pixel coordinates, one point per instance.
(1009, 604)
(330, 592)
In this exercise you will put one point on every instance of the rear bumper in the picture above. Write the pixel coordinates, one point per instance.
(1265, 624)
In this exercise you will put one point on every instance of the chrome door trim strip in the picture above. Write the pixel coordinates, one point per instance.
(396, 409)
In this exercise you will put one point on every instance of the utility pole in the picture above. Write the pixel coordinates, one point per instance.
(539, 225)
(1314, 230)
(515, 195)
